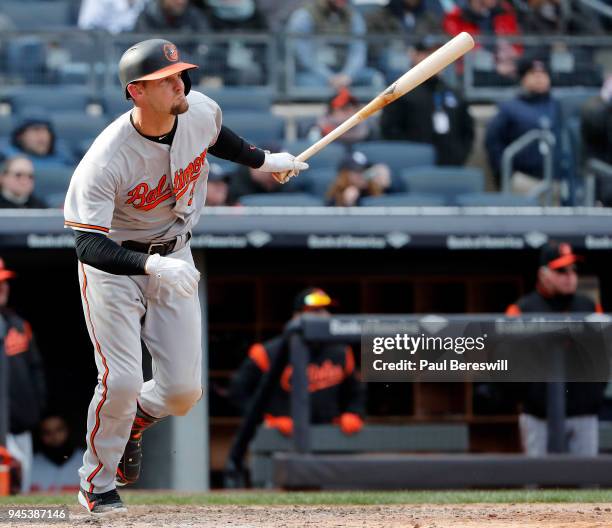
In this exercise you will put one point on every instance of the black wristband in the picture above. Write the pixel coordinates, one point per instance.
(230, 146)
(101, 252)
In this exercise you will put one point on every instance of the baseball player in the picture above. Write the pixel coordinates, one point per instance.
(133, 201)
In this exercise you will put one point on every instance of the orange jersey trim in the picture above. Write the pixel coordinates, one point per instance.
(76, 225)
(513, 310)
(94, 431)
(259, 356)
(349, 363)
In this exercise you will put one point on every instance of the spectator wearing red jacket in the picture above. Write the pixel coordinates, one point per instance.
(488, 17)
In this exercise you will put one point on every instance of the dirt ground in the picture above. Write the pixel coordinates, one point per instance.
(394, 516)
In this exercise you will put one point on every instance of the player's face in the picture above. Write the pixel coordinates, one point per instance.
(562, 281)
(167, 95)
(53, 432)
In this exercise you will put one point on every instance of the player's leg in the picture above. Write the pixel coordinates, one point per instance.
(172, 331)
(113, 307)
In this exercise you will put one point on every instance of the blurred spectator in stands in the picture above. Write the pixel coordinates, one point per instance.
(56, 464)
(555, 291)
(533, 108)
(168, 16)
(356, 179)
(113, 16)
(235, 15)
(27, 387)
(340, 107)
(488, 17)
(17, 185)
(548, 17)
(246, 180)
(336, 395)
(406, 17)
(325, 63)
(217, 188)
(276, 13)
(236, 61)
(596, 132)
(34, 137)
(432, 113)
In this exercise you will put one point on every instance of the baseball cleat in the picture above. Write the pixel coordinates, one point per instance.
(101, 504)
(129, 466)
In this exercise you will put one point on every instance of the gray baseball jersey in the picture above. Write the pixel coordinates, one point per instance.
(135, 189)
(132, 188)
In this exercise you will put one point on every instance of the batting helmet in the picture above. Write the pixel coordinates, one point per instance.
(150, 60)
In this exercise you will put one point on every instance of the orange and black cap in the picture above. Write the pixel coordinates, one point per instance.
(312, 299)
(557, 255)
(150, 60)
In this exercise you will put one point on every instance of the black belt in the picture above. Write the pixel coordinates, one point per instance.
(159, 248)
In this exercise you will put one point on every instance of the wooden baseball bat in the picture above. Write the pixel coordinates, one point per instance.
(437, 61)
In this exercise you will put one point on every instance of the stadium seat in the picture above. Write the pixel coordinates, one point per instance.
(446, 181)
(28, 16)
(55, 200)
(257, 127)
(114, 103)
(281, 200)
(244, 98)
(403, 200)
(52, 179)
(329, 158)
(398, 155)
(6, 125)
(494, 200)
(26, 59)
(75, 128)
(67, 98)
(316, 181)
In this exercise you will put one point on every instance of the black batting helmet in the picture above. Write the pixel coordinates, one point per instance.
(150, 60)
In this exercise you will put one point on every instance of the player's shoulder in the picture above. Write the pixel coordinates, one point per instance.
(110, 141)
(200, 103)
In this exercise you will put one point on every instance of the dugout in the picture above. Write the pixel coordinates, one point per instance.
(400, 260)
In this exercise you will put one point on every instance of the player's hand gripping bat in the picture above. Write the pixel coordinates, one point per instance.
(437, 61)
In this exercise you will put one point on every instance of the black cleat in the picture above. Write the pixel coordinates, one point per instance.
(101, 504)
(128, 469)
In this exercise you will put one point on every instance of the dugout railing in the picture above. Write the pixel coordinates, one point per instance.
(300, 467)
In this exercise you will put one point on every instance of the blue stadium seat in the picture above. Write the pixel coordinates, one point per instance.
(244, 98)
(55, 200)
(315, 181)
(68, 98)
(6, 125)
(403, 200)
(256, 127)
(51, 179)
(26, 59)
(281, 200)
(446, 181)
(494, 200)
(114, 103)
(75, 127)
(28, 16)
(398, 155)
(329, 158)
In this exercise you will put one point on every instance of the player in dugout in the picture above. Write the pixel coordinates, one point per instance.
(555, 291)
(336, 394)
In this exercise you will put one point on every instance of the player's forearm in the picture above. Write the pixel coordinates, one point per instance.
(230, 146)
(102, 253)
